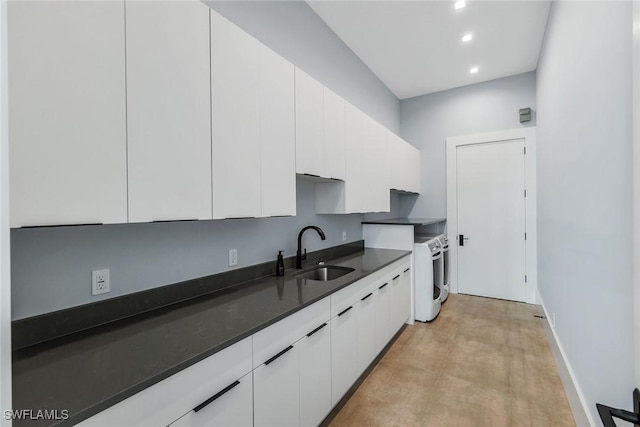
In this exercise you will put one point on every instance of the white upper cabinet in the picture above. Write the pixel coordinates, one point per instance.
(320, 129)
(168, 110)
(412, 173)
(403, 165)
(67, 112)
(309, 125)
(235, 92)
(365, 188)
(334, 135)
(253, 146)
(277, 135)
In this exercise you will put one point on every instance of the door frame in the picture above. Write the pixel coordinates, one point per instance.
(636, 184)
(531, 259)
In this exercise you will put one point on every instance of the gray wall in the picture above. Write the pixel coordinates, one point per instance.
(428, 120)
(585, 193)
(51, 268)
(293, 29)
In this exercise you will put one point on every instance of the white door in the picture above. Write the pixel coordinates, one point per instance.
(491, 217)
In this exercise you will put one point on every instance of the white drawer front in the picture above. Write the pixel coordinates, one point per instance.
(168, 400)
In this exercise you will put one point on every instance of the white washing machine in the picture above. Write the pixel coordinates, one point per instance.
(427, 278)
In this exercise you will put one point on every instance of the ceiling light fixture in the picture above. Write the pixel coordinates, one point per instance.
(473, 70)
(459, 4)
(467, 37)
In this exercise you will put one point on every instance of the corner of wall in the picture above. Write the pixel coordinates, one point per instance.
(5, 278)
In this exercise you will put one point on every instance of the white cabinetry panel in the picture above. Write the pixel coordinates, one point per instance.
(315, 375)
(366, 342)
(400, 298)
(276, 393)
(235, 89)
(309, 125)
(252, 98)
(334, 135)
(403, 162)
(67, 112)
(277, 135)
(344, 357)
(382, 317)
(365, 188)
(168, 110)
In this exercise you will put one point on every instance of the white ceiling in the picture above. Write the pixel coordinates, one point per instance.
(415, 47)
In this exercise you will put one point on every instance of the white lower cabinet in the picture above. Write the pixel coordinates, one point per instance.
(366, 342)
(400, 297)
(383, 328)
(230, 407)
(276, 393)
(344, 356)
(315, 375)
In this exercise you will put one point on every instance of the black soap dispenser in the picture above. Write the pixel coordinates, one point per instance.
(280, 265)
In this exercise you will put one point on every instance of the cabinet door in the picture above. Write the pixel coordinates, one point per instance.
(235, 89)
(413, 170)
(366, 342)
(309, 125)
(230, 407)
(379, 198)
(276, 383)
(334, 135)
(400, 298)
(168, 111)
(277, 135)
(67, 112)
(357, 157)
(405, 292)
(344, 358)
(315, 375)
(396, 166)
(382, 318)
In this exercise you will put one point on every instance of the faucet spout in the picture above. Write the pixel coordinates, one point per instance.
(299, 255)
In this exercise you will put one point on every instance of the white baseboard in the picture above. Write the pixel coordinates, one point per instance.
(576, 385)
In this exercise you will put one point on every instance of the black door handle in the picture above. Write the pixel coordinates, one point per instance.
(461, 239)
(215, 396)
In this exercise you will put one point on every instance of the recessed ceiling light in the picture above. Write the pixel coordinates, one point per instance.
(467, 37)
(459, 4)
(473, 70)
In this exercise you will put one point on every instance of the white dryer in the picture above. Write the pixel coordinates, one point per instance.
(427, 278)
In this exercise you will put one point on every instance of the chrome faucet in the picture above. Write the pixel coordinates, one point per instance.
(299, 255)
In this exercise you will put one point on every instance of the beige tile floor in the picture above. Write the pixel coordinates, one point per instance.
(482, 362)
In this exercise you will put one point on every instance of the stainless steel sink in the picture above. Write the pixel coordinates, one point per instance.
(324, 273)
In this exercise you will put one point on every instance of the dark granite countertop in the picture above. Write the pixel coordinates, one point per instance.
(407, 221)
(89, 371)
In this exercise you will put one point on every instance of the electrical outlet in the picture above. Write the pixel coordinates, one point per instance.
(100, 282)
(344, 236)
(233, 257)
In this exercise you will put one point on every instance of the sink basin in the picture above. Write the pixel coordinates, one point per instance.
(324, 273)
